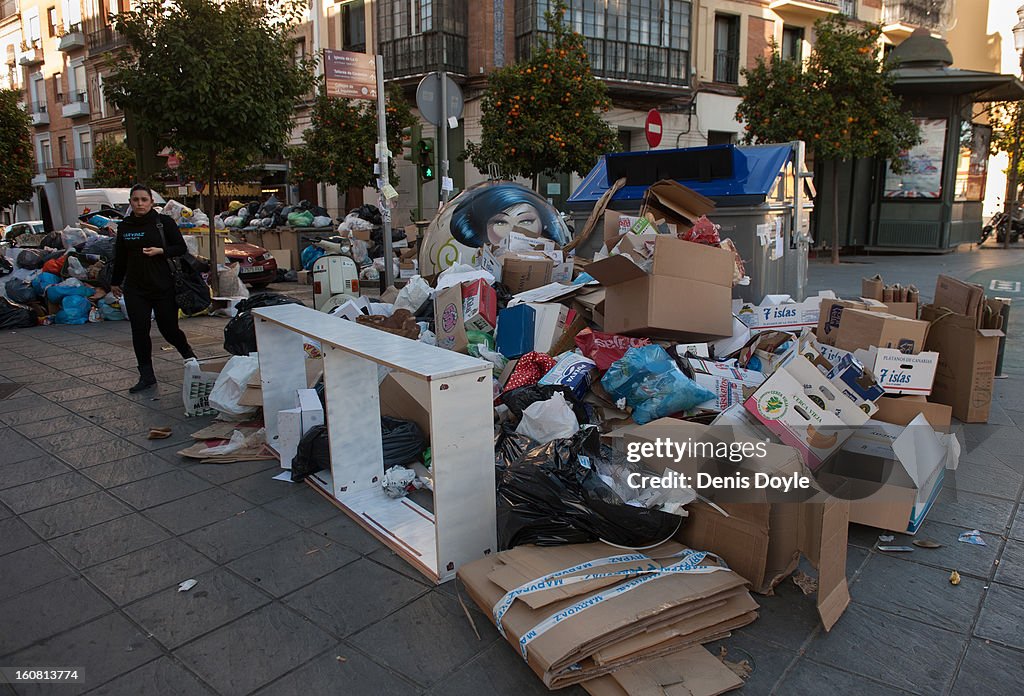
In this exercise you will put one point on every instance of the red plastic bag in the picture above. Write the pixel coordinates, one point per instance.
(530, 368)
(605, 348)
(55, 266)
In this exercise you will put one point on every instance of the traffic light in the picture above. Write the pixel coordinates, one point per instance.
(425, 159)
(410, 136)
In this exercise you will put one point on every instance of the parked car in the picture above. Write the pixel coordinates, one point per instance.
(16, 229)
(257, 266)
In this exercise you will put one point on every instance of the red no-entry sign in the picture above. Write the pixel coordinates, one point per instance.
(652, 128)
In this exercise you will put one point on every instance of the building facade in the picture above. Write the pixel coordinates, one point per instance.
(682, 57)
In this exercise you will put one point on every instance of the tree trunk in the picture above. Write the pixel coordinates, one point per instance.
(835, 212)
(211, 202)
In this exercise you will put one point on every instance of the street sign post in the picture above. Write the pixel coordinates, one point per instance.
(653, 128)
(350, 75)
(428, 99)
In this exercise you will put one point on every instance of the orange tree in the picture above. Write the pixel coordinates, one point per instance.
(15, 149)
(339, 146)
(543, 115)
(113, 164)
(842, 105)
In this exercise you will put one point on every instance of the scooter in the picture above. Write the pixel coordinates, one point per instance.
(335, 274)
(998, 224)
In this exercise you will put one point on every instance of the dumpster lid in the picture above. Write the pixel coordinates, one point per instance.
(730, 175)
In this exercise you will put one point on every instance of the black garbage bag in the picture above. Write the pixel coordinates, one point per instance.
(52, 240)
(549, 498)
(370, 213)
(313, 453)
(240, 331)
(509, 446)
(403, 441)
(19, 290)
(6, 267)
(31, 259)
(15, 316)
(100, 246)
(504, 295)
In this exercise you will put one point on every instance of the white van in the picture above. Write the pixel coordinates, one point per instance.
(94, 199)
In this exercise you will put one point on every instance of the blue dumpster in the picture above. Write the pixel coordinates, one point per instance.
(761, 194)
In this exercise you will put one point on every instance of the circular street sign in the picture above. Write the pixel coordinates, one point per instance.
(428, 98)
(652, 128)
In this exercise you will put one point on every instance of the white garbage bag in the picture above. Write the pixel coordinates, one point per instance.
(231, 384)
(544, 421)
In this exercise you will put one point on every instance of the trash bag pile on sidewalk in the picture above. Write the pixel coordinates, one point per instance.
(65, 281)
(622, 539)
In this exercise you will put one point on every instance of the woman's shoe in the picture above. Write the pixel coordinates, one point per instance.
(143, 384)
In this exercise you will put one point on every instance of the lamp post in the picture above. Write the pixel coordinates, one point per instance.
(1011, 183)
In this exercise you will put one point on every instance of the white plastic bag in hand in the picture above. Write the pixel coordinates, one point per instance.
(544, 421)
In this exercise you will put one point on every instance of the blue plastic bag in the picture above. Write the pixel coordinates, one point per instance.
(309, 256)
(56, 293)
(43, 281)
(652, 385)
(74, 310)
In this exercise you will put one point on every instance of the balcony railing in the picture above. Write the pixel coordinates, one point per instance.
(73, 39)
(38, 114)
(848, 8)
(420, 53)
(8, 8)
(104, 39)
(918, 13)
(727, 66)
(626, 60)
(75, 104)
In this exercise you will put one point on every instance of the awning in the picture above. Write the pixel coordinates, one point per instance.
(981, 86)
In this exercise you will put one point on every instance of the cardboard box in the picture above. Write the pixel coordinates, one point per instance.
(448, 319)
(479, 306)
(831, 313)
(893, 473)
(780, 313)
(515, 332)
(596, 637)
(899, 373)
(615, 225)
(863, 329)
(872, 288)
(687, 293)
(283, 258)
(906, 310)
(817, 426)
(202, 243)
(958, 296)
(549, 324)
(690, 672)
(677, 205)
(967, 363)
(521, 271)
(762, 541)
(305, 277)
(727, 392)
(902, 410)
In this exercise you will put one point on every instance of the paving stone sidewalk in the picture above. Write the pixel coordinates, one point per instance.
(99, 525)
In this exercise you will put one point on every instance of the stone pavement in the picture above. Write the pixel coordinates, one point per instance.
(99, 525)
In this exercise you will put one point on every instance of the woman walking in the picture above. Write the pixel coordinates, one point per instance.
(145, 241)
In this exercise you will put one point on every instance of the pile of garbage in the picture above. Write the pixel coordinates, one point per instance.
(65, 281)
(253, 216)
(657, 437)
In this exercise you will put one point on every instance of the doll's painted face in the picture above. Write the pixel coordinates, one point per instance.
(522, 215)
